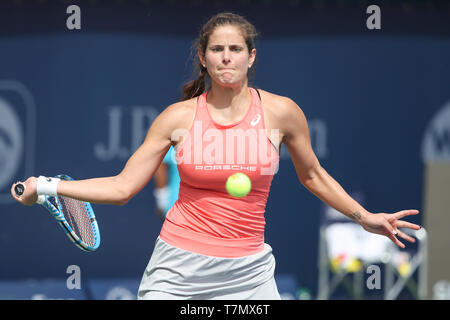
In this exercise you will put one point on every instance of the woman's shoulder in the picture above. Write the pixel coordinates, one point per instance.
(277, 106)
(181, 113)
(182, 107)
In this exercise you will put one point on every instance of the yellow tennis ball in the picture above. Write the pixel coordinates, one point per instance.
(404, 269)
(238, 185)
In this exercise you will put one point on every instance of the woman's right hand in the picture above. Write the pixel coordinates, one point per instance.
(29, 195)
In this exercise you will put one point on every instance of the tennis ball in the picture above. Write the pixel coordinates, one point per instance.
(238, 185)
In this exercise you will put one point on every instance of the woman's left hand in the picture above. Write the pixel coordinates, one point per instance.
(387, 224)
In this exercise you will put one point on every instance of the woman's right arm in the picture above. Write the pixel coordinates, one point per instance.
(138, 170)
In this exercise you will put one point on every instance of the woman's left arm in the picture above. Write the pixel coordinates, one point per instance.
(296, 137)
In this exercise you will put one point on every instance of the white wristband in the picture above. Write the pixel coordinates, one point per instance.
(40, 199)
(47, 186)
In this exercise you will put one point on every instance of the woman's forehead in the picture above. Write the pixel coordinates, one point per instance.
(226, 34)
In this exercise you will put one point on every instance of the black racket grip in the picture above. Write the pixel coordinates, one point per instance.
(19, 189)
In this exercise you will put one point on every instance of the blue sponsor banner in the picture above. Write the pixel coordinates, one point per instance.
(92, 113)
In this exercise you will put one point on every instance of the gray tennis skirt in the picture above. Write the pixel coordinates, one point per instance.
(174, 273)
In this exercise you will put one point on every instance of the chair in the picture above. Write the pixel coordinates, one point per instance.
(402, 265)
(346, 250)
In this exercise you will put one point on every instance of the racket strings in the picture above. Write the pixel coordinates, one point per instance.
(77, 216)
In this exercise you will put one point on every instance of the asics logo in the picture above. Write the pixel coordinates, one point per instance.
(255, 120)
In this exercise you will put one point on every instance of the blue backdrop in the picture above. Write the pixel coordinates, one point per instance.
(80, 102)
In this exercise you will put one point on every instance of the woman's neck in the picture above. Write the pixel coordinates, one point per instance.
(233, 98)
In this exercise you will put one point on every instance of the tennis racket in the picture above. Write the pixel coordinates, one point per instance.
(76, 218)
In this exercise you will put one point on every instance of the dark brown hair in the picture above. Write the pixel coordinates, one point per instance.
(197, 86)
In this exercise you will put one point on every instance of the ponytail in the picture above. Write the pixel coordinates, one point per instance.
(195, 88)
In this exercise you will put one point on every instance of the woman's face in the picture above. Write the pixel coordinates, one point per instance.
(226, 56)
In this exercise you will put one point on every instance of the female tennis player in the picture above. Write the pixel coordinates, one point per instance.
(211, 245)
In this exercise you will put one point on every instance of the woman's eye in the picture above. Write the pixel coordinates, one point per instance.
(234, 49)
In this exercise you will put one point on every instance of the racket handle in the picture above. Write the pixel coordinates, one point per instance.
(19, 189)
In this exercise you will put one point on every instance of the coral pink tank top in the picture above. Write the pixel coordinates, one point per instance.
(206, 219)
